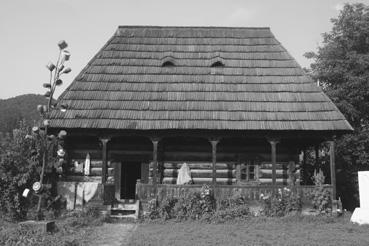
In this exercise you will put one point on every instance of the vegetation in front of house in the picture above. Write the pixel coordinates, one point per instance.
(202, 206)
(19, 166)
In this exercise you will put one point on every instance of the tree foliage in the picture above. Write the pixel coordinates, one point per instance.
(19, 168)
(341, 65)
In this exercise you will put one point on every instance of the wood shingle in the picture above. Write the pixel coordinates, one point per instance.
(260, 86)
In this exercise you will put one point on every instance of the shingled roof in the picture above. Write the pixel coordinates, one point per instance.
(259, 87)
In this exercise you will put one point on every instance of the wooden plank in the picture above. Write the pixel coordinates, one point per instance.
(97, 171)
(203, 173)
(171, 180)
(270, 181)
(198, 165)
(117, 178)
(144, 172)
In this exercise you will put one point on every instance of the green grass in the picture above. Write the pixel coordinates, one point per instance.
(71, 230)
(255, 231)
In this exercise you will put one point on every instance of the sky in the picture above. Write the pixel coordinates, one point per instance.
(31, 29)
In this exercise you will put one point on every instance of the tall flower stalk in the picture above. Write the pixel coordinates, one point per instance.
(56, 71)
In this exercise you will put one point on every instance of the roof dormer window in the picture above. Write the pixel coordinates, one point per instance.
(168, 61)
(217, 64)
(168, 64)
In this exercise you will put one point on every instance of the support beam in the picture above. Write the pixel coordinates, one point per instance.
(316, 148)
(273, 144)
(214, 143)
(104, 172)
(155, 142)
(333, 168)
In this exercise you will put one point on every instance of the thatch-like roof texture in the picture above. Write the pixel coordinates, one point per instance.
(260, 86)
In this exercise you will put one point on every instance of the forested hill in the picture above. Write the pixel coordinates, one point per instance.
(14, 109)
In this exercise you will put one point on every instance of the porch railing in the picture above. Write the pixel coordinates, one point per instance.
(161, 191)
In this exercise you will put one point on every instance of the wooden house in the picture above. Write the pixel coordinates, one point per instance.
(230, 102)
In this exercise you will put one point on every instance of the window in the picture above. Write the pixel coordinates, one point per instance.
(168, 64)
(217, 64)
(248, 171)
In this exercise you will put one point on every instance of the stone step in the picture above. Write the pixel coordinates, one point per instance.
(125, 210)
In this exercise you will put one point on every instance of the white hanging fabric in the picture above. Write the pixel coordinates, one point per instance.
(87, 165)
(184, 175)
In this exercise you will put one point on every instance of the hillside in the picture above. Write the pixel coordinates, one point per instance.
(14, 109)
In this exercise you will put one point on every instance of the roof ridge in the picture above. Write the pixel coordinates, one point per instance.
(182, 27)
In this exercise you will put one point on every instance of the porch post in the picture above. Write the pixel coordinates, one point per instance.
(104, 175)
(316, 148)
(214, 143)
(333, 168)
(273, 144)
(155, 142)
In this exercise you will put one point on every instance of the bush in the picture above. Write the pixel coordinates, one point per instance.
(285, 201)
(321, 197)
(19, 163)
(238, 212)
(194, 205)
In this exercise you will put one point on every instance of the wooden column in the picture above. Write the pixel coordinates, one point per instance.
(155, 142)
(333, 168)
(214, 143)
(104, 172)
(273, 144)
(316, 148)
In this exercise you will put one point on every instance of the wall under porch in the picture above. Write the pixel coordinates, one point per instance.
(232, 155)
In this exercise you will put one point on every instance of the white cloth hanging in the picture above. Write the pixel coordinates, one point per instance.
(87, 165)
(184, 175)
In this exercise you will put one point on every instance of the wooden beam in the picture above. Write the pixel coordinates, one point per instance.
(333, 168)
(104, 142)
(117, 178)
(214, 143)
(273, 144)
(155, 142)
(316, 148)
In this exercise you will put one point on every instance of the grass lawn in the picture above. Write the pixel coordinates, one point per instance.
(80, 231)
(255, 231)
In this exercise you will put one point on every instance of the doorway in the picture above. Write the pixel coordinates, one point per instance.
(130, 172)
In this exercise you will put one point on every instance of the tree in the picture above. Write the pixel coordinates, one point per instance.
(341, 65)
(19, 168)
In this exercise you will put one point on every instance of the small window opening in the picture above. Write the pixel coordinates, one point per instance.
(217, 64)
(168, 64)
(248, 171)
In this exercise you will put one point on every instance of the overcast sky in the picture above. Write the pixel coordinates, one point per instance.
(30, 29)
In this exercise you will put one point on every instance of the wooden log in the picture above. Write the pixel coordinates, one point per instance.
(81, 153)
(270, 181)
(79, 178)
(268, 165)
(97, 171)
(278, 175)
(171, 180)
(199, 165)
(203, 173)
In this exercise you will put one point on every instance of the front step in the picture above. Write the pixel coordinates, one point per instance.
(125, 209)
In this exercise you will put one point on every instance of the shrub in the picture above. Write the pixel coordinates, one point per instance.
(237, 212)
(285, 201)
(321, 197)
(194, 205)
(166, 210)
(19, 163)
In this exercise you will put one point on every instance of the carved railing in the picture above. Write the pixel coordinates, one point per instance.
(161, 191)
